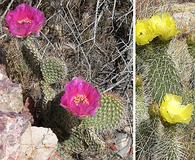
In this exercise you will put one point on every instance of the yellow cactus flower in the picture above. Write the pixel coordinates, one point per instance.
(144, 32)
(172, 110)
(164, 25)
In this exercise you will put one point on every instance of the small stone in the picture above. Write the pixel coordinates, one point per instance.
(38, 143)
(12, 126)
(123, 144)
(11, 99)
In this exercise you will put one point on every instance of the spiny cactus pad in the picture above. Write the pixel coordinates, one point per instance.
(76, 143)
(32, 45)
(178, 51)
(191, 48)
(53, 70)
(49, 93)
(148, 134)
(108, 116)
(141, 106)
(83, 140)
(170, 148)
(161, 77)
(93, 141)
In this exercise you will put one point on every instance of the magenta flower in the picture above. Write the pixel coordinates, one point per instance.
(25, 20)
(81, 98)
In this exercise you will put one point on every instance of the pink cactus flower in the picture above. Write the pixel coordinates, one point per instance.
(25, 20)
(81, 98)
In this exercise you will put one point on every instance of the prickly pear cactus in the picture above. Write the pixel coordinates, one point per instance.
(161, 77)
(167, 67)
(148, 133)
(191, 48)
(93, 141)
(32, 45)
(53, 70)
(109, 116)
(61, 120)
(179, 54)
(84, 140)
(48, 91)
(76, 142)
(141, 110)
(169, 147)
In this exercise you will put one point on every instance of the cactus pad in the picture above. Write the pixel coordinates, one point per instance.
(53, 70)
(76, 142)
(83, 140)
(49, 93)
(170, 148)
(108, 116)
(161, 77)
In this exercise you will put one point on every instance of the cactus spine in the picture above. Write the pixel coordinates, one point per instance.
(53, 70)
(109, 116)
(160, 76)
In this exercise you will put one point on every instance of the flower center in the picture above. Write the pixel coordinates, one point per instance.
(25, 21)
(80, 99)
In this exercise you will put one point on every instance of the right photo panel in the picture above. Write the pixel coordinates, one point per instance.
(165, 80)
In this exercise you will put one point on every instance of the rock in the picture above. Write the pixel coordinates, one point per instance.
(10, 94)
(123, 144)
(185, 21)
(12, 126)
(38, 143)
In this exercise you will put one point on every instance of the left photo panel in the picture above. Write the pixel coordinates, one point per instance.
(66, 79)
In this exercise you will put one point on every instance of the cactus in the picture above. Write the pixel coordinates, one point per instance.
(141, 109)
(160, 76)
(166, 67)
(147, 134)
(18, 69)
(191, 48)
(109, 116)
(48, 91)
(83, 140)
(178, 51)
(60, 120)
(93, 141)
(169, 146)
(32, 45)
(75, 142)
(53, 70)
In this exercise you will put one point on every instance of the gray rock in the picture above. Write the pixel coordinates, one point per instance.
(10, 94)
(12, 126)
(123, 144)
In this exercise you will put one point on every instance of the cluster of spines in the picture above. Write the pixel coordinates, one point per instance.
(109, 116)
(53, 70)
(83, 140)
(183, 61)
(161, 77)
(48, 91)
(169, 146)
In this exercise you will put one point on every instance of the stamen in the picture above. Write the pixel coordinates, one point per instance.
(23, 21)
(80, 99)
